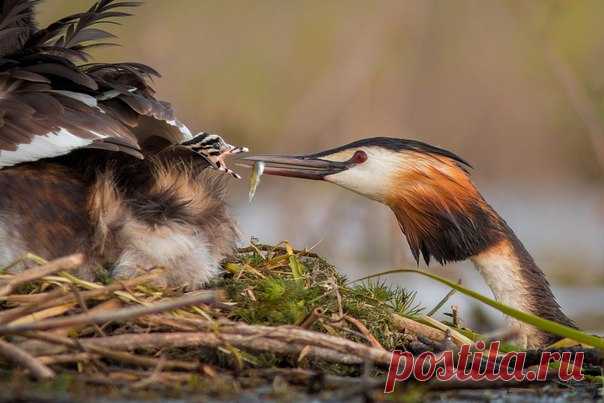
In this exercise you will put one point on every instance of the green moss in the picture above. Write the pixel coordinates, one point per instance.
(272, 288)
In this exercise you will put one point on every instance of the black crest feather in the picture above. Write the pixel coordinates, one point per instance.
(73, 35)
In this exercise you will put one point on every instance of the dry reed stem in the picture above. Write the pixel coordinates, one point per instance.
(43, 314)
(437, 332)
(22, 299)
(458, 338)
(415, 328)
(37, 348)
(64, 263)
(113, 316)
(60, 296)
(26, 360)
(34, 305)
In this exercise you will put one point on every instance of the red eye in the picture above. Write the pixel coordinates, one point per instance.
(359, 157)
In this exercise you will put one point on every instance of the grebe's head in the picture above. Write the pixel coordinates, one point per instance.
(439, 209)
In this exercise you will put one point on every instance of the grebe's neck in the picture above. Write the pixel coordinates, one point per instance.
(444, 217)
(469, 228)
(517, 281)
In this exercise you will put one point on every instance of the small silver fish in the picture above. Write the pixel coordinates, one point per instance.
(255, 178)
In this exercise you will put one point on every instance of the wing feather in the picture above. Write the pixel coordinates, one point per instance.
(51, 104)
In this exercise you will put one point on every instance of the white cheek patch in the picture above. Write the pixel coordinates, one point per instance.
(372, 178)
(47, 146)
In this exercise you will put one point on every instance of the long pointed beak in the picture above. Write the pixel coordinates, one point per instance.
(306, 167)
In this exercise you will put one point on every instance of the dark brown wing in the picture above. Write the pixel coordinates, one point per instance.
(128, 97)
(49, 105)
(38, 121)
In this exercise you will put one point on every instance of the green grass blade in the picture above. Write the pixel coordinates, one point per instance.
(540, 323)
(297, 267)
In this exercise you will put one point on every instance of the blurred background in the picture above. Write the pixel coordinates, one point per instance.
(514, 87)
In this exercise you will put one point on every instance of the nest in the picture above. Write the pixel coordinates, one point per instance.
(277, 315)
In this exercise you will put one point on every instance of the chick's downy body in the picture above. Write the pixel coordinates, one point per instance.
(92, 162)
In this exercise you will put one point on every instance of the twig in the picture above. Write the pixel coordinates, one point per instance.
(58, 297)
(207, 339)
(154, 377)
(64, 263)
(164, 320)
(311, 318)
(109, 305)
(114, 316)
(67, 358)
(455, 316)
(121, 356)
(36, 348)
(444, 300)
(363, 329)
(293, 336)
(270, 249)
(23, 358)
(336, 289)
(22, 299)
(84, 306)
(279, 339)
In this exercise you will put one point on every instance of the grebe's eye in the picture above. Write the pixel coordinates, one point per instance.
(359, 157)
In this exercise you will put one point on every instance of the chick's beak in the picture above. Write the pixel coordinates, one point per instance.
(306, 167)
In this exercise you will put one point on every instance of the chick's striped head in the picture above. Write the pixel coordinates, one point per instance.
(214, 149)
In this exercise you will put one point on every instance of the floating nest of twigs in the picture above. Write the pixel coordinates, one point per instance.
(278, 317)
